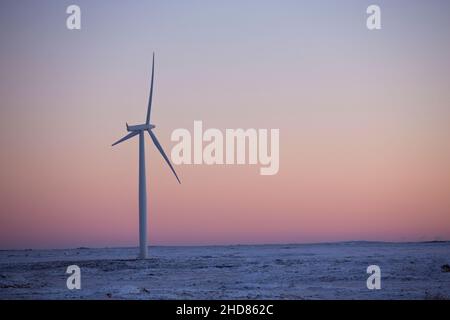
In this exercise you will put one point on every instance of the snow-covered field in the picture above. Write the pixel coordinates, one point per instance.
(311, 271)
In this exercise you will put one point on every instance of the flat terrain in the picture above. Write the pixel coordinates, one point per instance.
(310, 271)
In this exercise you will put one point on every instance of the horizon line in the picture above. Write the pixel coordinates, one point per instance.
(238, 244)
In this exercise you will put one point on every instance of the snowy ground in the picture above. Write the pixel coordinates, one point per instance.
(313, 271)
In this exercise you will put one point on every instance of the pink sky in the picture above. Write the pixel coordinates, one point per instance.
(363, 119)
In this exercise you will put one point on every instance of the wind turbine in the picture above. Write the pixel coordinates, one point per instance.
(140, 130)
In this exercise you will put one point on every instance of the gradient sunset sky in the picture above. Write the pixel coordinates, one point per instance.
(364, 119)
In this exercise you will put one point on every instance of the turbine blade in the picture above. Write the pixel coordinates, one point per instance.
(151, 92)
(128, 136)
(158, 145)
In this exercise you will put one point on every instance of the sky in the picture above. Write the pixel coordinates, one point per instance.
(363, 119)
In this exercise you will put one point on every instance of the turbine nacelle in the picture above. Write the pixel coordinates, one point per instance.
(140, 127)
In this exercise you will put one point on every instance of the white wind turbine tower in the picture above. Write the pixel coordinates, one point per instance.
(140, 130)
